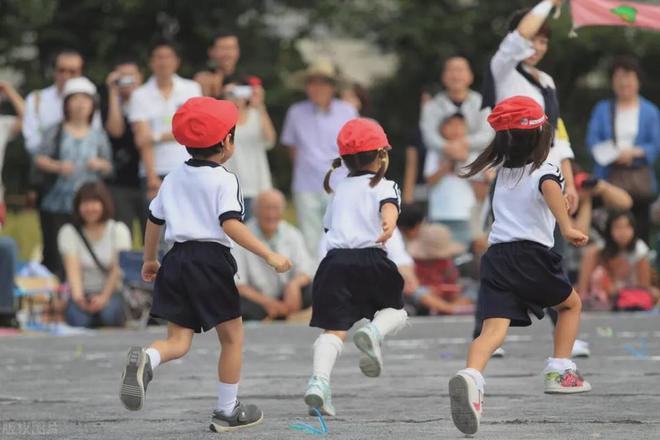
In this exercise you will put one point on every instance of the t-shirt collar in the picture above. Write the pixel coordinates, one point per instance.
(196, 162)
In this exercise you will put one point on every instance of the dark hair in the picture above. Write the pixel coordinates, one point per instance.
(514, 148)
(627, 63)
(67, 52)
(516, 18)
(65, 106)
(224, 34)
(412, 214)
(611, 249)
(358, 162)
(163, 43)
(213, 149)
(456, 56)
(93, 191)
(457, 115)
(363, 96)
(126, 59)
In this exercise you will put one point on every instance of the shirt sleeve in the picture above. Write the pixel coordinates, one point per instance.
(562, 142)
(431, 163)
(513, 49)
(388, 192)
(230, 205)
(289, 137)
(136, 109)
(429, 122)
(548, 172)
(122, 237)
(67, 240)
(156, 210)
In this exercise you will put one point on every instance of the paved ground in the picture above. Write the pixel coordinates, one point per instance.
(66, 387)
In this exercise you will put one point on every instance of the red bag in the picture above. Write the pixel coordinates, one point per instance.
(634, 299)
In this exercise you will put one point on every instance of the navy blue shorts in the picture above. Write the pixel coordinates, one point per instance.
(195, 286)
(351, 284)
(518, 278)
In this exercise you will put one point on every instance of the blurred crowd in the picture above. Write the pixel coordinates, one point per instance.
(100, 152)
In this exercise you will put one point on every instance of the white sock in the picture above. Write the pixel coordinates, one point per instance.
(327, 348)
(154, 357)
(477, 376)
(227, 393)
(389, 320)
(558, 365)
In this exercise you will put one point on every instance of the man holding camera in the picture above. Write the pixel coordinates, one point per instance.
(125, 184)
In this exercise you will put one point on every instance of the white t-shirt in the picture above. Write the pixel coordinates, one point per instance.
(249, 160)
(451, 198)
(149, 105)
(626, 125)
(116, 238)
(519, 208)
(352, 219)
(195, 199)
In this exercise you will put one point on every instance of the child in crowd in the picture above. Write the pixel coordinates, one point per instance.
(617, 272)
(202, 205)
(519, 272)
(356, 279)
(451, 198)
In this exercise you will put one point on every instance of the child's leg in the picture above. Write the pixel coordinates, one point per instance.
(175, 346)
(327, 348)
(230, 334)
(389, 320)
(568, 325)
(368, 339)
(492, 337)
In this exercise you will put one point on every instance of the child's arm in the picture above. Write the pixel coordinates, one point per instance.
(389, 213)
(151, 240)
(554, 198)
(242, 235)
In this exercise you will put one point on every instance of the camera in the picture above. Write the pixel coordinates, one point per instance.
(125, 81)
(241, 92)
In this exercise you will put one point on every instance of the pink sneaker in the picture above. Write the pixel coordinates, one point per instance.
(568, 382)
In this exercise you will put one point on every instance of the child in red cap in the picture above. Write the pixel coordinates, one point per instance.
(519, 272)
(194, 291)
(356, 280)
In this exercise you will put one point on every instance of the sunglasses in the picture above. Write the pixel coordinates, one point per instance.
(69, 71)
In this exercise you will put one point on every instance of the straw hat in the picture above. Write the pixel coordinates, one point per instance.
(434, 241)
(320, 68)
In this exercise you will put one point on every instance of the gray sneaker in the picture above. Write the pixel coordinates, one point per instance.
(319, 396)
(135, 378)
(243, 416)
(367, 339)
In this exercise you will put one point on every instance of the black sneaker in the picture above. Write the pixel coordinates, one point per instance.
(137, 375)
(243, 416)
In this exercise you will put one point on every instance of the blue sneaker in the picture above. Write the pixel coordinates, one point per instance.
(319, 396)
(367, 339)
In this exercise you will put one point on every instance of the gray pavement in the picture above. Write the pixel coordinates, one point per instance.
(67, 387)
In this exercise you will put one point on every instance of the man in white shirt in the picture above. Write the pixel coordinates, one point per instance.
(264, 292)
(43, 107)
(151, 109)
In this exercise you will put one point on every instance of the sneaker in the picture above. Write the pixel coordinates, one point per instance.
(499, 352)
(367, 339)
(319, 396)
(243, 416)
(135, 378)
(467, 403)
(580, 349)
(568, 382)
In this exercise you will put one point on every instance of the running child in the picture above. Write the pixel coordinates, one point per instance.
(519, 272)
(356, 280)
(202, 206)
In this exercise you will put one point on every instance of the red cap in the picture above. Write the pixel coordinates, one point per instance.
(517, 112)
(203, 122)
(359, 135)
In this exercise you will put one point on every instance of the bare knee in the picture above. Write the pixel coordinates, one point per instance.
(179, 345)
(572, 303)
(231, 333)
(495, 329)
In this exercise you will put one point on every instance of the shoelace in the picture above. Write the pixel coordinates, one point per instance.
(304, 427)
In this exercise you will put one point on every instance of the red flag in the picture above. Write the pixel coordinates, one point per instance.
(615, 13)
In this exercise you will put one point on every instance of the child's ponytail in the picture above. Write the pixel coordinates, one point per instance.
(383, 156)
(336, 163)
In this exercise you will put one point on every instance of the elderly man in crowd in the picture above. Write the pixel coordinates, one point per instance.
(265, 293)
(310, 131)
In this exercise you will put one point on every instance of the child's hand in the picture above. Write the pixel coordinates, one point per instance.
(149, 270)
(575, 237)
(388, 230)
(278, 262)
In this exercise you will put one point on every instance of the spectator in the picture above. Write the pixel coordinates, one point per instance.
(357, 96)
(8, 254)
(265, 293)
(414, 185)
(451, 198)
(90, 247)
(223, 56)
(73, 153)
(310, 131)
(255, 135)
(43, 108)
(10, 126)
(151, 110)
(624, 138)
(617, 269)
(124, 185)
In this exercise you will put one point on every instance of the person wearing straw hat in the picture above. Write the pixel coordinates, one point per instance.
(310, 132)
